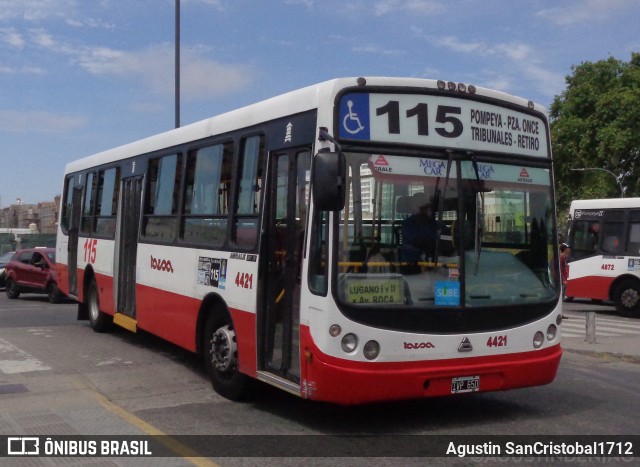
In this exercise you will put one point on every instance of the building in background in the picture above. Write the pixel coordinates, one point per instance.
(43, 215)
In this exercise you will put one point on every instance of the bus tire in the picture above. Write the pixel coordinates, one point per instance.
(12, 289)
(98, 320)
(220, 353)
(626, 298)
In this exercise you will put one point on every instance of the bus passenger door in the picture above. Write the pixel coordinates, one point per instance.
(127, 246)
(72, 246)
(279, 317)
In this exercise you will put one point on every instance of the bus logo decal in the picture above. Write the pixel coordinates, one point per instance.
(419, 345)
(465, 345)
(381, 161)
(524, 176)
(161, 265)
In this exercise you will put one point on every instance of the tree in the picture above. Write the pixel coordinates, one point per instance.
(595, 123)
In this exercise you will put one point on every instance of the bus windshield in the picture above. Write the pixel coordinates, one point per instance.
(421, 232)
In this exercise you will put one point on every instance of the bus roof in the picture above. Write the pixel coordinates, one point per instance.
(290, 103)
(611, 203)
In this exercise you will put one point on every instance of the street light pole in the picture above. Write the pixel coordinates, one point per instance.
(618, 181)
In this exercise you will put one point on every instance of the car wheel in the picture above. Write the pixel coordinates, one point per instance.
(53, 293)
(626, 298)
(221, 358)
(12, 289)
(98, 320)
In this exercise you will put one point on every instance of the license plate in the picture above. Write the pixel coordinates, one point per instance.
(465, 384)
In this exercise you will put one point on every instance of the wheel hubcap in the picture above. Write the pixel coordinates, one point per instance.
(629, 298)
(224, 349)
(94, 310)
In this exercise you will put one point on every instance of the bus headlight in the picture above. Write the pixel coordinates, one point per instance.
(559, 320)
(371, 350)
(349, 343)
(552, 330)
(335, 330)
(538, 340)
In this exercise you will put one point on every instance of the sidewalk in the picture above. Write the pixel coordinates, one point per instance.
(625, 347)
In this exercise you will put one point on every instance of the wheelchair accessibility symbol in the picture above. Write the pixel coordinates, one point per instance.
(351, 122)
(354, 116)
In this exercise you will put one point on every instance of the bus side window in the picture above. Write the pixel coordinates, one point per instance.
(584, 238)
(612, 230)
(161, 199)
(249, 191)
(633, 235)
(91, 187)
(67, 204)
(208, 173)
(107, 202)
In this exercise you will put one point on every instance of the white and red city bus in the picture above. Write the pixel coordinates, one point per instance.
(279, 241)
(604, 236)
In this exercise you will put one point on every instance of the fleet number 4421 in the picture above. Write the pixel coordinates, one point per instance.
(497, 341)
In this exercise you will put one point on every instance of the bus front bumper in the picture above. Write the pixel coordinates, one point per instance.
(340, 381)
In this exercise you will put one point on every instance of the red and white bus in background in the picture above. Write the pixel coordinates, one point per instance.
(604, 235)
(279, 241)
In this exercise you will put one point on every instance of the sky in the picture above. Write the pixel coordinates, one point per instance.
(81, 76)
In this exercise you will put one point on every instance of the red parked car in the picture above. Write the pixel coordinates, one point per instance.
(33, 271)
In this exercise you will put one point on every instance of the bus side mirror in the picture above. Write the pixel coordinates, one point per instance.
(329, 179)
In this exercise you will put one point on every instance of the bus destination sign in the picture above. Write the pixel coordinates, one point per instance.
(441, 121)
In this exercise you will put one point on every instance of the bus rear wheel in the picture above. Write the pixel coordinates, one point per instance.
(220, 351)
(98, 320)
(627, 298)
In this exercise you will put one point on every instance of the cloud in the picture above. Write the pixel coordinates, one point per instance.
(39, 121)
(200, 76)
(35, 10)
(519, 56)
(384, 7)
(12, 38)
(214, 3)
(25, 70)
(581, 11)
(306, 3)
(371, 49)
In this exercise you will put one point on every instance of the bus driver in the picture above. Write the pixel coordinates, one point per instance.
(419, 231)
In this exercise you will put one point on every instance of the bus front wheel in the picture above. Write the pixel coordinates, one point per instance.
(220, 351)
(627, 298)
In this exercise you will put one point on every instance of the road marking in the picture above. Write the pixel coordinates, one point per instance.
(172, 444)
(13, 360)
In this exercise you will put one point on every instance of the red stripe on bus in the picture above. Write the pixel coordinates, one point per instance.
(595, 287)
